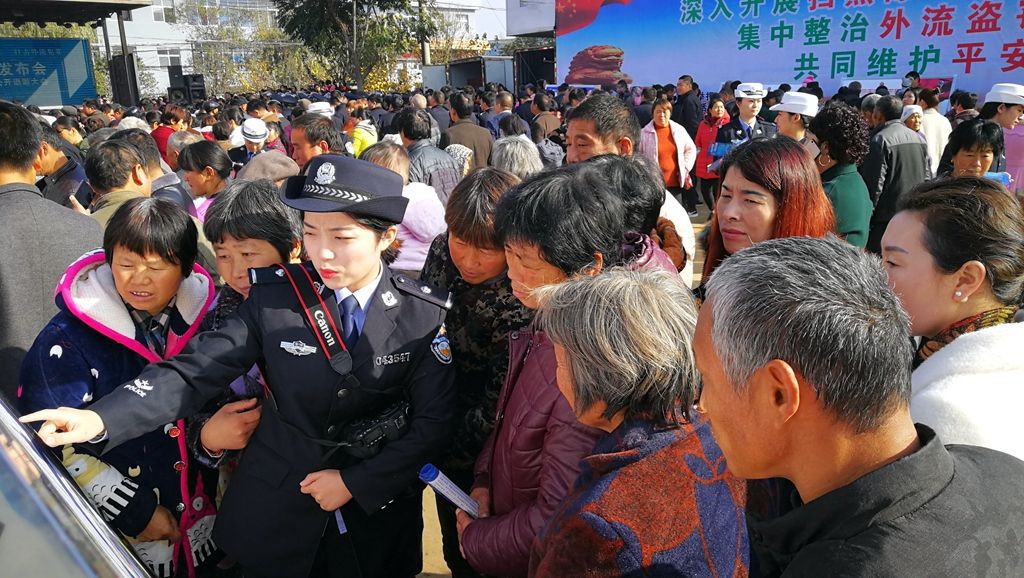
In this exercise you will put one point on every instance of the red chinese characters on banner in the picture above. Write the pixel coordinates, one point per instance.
(969, 54)
(984, 17)
(894, 22)
(813, 5)
(858, 3)
(937, 20)
(1013, 54)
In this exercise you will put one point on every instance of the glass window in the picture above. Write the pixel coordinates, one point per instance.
(163, 11)
(169, 57)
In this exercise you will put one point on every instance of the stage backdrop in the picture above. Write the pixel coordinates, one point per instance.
(46, 71)
(975, 42)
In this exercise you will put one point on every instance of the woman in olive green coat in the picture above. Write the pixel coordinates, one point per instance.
(841, 136)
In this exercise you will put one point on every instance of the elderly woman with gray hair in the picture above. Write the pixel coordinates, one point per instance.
(654, 497)
(517, 155)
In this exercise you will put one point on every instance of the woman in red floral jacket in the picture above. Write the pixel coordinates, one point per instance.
(654, 498)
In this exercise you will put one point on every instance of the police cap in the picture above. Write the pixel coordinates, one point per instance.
(335, 183)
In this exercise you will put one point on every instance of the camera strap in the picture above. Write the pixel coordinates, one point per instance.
(320, 319)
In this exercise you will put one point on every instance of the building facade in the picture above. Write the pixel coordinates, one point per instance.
(163, 36)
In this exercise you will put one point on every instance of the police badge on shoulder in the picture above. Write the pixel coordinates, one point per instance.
(441, 348)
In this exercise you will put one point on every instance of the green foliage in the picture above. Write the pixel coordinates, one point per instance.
(525, 42)
(239, 49)
(384, 30)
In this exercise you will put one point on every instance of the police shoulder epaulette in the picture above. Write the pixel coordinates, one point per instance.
(422, 290)
(274, 274)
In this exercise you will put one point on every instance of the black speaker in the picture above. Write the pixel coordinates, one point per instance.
(195, 85)
(174, 76)
(177, 94)
(123, 83)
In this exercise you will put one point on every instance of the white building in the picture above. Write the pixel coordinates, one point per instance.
(160, 41)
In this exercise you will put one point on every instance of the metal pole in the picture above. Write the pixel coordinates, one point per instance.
(106, 40)
(424, 42)
(355, 46)
(124, 53)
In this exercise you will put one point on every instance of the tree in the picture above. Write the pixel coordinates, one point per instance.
(51, 30)
(526, 42)
(383, 30)
(239, 49)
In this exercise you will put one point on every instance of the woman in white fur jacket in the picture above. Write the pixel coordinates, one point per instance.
(955, 255)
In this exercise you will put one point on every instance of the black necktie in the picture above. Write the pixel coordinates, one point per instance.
(349, 310)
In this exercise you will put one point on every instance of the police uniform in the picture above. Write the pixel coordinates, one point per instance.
(733, 133)
(265, 522)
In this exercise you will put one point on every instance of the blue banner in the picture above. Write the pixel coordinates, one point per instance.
(46, 71)
(975, 42)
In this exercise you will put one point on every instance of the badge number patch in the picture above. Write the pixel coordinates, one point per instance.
(393, 358)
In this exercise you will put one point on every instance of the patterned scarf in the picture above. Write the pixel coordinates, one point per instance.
(154, 327)
(980, 321)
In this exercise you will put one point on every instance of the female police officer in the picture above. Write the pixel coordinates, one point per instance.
(350, 353)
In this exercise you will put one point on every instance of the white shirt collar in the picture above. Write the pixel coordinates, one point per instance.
(362, 295)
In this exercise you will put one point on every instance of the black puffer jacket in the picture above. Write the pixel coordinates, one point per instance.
(897, 162)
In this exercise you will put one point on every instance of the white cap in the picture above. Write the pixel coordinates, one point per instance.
(321, 108)
(750, 90)
(797, 102)
(1006, 93)
(909, 110)
(254, 130)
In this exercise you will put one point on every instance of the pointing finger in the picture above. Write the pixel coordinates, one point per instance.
(43, 415)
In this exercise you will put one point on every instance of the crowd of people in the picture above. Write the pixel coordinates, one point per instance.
(259, 317)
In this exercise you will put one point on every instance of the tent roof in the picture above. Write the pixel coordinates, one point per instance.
(64, 11)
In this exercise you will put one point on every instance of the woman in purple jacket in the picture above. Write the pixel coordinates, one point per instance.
(555, 226)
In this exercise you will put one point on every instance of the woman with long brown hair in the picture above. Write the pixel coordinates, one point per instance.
(770, 189)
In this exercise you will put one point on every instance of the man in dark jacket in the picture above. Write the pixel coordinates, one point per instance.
(427, 163)
(467, 133)
(746, 125)
(686, 110)
(863, 490)
(526, 100)
(38, 240)
(897, 162)
(62, 176)
(544, 118)
(376, 112)
(503, 107)
(644, 111)
(439, 110)
(486, 104)
(393, 105)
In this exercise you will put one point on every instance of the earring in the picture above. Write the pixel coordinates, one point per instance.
(827, 160)
(958, 294)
